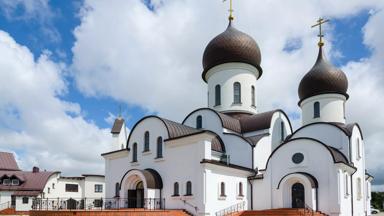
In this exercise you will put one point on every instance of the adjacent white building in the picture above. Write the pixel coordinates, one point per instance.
(19, 189)
(230, 154)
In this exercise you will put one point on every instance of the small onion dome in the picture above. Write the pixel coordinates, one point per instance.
(323, 78)
(231, 46)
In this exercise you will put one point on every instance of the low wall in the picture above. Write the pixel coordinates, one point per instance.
(107, 213)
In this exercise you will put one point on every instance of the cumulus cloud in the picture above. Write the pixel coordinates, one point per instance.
(151, 57)
(37, 125)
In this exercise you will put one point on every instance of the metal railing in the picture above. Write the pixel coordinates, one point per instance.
(5, 205)
(100, 204)
(232, 209)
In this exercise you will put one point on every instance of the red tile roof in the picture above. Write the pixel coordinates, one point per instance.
(29, 180)
(8, 162)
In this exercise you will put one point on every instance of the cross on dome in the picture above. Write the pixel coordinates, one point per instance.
(320, 21)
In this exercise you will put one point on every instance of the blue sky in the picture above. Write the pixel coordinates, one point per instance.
(30, 33)
(145, 56)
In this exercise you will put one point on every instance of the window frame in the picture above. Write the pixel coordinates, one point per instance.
(98, 188)
(146, 141)
(15, 182)
(217, 95)
(75, 188)
(188, 191)
(25, 200)
(159, 147)
(236, 93)
(241, 192)
(176, 191)
(134, 152)
(222, 189)
(199, 122)
(117, 189)
(253, 96)
(316, 109)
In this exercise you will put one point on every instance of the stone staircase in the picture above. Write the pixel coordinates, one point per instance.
(279, 212)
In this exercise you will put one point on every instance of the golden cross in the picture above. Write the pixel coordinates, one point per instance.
(320, 21)
(231, 17)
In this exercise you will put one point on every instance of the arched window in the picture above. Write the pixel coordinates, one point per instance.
(358, 149)
(359, 191)
(241, 189)
(159, 147)
(346, 181)
(222, 189)
(253, 96)
(199, 122)
(176, 189)
(316, 109)
(236, 93)
(146, 141)
(134, 152)
(217, 95)
(117, 189)
(189, 188)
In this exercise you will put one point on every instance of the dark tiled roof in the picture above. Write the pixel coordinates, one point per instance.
(323, 78)
(231, 46)
(337, 155)
(178, 130)
(220, 163)
(8, 162)
(243, 123)
(255, 139)
(29, 180)
(117, 126)
(217, 144)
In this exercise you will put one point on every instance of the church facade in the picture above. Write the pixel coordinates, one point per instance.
(230, 155)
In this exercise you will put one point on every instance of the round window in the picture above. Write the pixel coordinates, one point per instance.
(297, 158)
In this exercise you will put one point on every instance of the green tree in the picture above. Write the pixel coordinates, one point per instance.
(377, 200)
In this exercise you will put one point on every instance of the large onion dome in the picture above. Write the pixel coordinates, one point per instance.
(323, 78)
(231, 46)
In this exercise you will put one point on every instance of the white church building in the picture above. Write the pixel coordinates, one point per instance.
(229, 154)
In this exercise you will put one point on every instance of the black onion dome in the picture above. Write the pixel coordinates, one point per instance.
(323, 78)
(231, 46)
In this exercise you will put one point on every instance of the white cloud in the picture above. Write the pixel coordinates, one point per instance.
(125, 51)
(41, 128)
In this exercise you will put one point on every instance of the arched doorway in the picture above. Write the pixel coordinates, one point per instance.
(136, 196)
(298, 195)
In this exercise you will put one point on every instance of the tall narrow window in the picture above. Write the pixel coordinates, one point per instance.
(217, 95)
(146, 141)
(346, 184)
(199, 122)
(159, 147)
(222, 189)
(253, 96)
(176, 189)
(236, 93)
(189, 188)
(241, 189)
(134, 152)
(359, 189)
(316, 109)
(358, 149)
(282, 135)
(117, 189)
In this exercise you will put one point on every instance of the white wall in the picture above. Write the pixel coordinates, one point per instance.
(331, 108)
(226, 75)
(319, 165)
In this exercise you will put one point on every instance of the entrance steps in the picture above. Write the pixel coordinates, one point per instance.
(279, 212)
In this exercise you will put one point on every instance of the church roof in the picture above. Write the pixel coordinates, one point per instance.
(117, 126)
(231, 46)
(244, 123)
(29, 181)
(8, 162)
(256, 138)
(323, 78)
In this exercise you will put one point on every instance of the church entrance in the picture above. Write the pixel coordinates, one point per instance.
(136, 196)
(298, 195)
